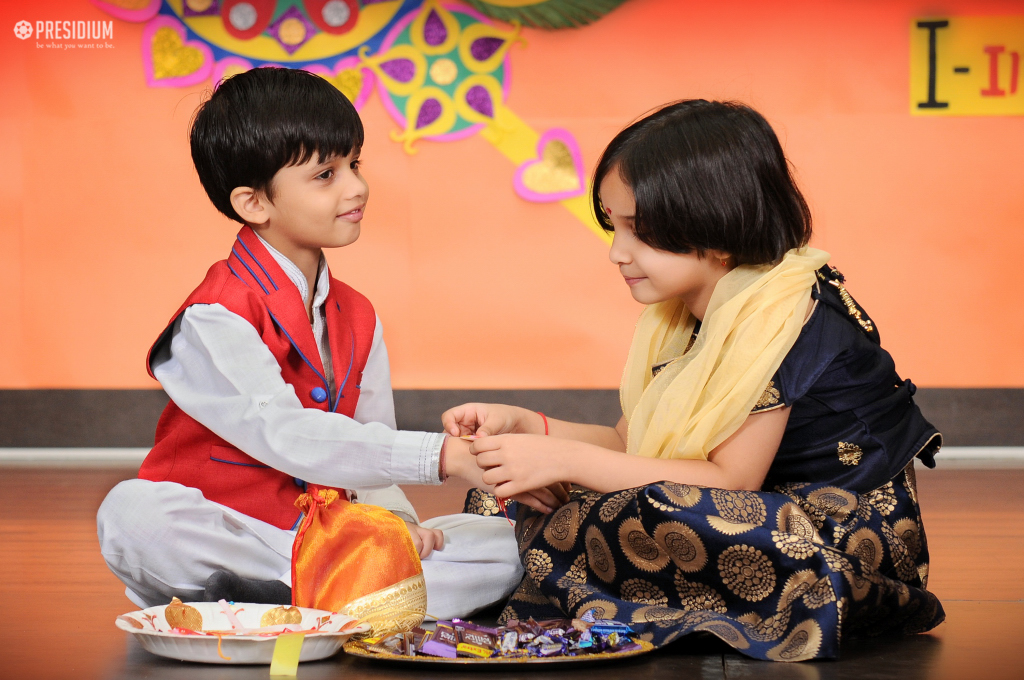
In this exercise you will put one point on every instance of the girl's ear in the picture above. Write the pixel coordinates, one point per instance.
(248, 203)
(720, 257)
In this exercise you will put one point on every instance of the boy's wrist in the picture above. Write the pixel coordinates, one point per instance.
(455, 456)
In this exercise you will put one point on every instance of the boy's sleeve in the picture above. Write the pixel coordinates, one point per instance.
(391, 498)
(220, 373)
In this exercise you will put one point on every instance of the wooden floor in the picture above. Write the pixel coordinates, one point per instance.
(58, 601)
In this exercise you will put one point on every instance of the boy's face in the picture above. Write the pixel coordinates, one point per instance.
(318, 204)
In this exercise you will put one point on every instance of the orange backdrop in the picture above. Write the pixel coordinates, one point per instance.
(104, 228)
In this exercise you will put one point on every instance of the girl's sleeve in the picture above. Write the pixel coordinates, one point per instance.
(820, 343)
(218, 371)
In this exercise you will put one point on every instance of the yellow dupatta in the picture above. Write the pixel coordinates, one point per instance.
(702, 397)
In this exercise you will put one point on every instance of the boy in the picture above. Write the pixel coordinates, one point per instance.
(278, 373)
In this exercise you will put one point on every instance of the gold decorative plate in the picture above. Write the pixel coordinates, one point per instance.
(356, 649)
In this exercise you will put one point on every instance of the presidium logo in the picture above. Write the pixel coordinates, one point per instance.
(67, 31)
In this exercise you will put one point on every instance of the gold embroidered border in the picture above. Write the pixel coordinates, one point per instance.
(395, 609)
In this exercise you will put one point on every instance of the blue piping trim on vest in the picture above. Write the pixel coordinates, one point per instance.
(296, 347)
(295, 527)
(260, 264)
(351, 360)
(232, 462)
(235, 252)
(236, 274)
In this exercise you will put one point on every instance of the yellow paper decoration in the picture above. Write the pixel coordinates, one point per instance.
(517, 141)
(350, 82)
(555, 173)
(171, 58)
(967, 66)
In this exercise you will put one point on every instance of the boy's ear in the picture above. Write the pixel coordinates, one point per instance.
(249, 204)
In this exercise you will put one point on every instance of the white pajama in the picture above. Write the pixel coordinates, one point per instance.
(163, 539)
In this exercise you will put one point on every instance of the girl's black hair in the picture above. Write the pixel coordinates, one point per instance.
(708, 176)
(260, 121)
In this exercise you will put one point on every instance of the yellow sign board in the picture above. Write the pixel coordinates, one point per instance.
(966, 66)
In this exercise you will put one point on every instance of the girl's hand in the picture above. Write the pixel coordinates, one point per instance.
(545, 500)
(515, 464)
(461, 463)
(425, 540)
(490, 419)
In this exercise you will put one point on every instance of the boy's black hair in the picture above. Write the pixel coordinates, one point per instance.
(708, 176)
(260, 121)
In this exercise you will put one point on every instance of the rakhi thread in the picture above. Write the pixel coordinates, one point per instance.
(220, 637)
(502, 504)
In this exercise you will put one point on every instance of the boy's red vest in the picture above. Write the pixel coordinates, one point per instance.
(251, 284)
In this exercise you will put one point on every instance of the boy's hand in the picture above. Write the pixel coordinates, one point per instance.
(425, 540)
(490, 419)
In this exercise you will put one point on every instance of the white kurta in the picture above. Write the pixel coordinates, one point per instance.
(163, 539)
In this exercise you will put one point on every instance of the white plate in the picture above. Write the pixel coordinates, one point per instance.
(158, 637)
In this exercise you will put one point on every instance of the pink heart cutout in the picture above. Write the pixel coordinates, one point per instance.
(556, 173)
(198, 76)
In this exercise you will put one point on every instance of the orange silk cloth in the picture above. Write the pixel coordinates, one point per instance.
(356, 559)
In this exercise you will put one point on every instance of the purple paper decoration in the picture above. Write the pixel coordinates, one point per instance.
(187, 11)
(401, 70)
(292, 13)
(479, 99)
(434, 31)
(483, 48)
(429, 112)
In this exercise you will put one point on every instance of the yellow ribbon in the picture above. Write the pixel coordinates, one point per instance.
(286, 654)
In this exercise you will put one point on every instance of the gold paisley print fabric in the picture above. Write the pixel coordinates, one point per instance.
(799, 645)
(682, 495)
(793, 546)
(642, 591)
(482, 503)
(790, 519)
(599, 556)
(882, 499)
(747, 572)
(739, 507)
(766, 630)
(834, 502)
(538, 564)
(683, 545)
(577, 574)
(560, 532)
(611, 509)
(698, 596)
(796, 585)
(779, 575)
(639, 548)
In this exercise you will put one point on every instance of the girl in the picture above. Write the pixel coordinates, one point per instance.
(760, 485)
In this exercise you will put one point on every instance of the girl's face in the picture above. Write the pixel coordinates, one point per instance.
(657, 275)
